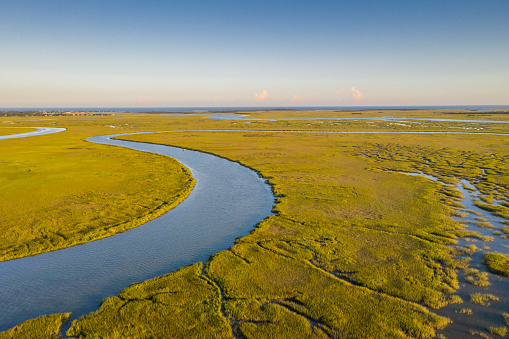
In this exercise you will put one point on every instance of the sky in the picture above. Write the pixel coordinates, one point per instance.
(253, 53)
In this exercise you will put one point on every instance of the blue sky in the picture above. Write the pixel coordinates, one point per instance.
(263, 53)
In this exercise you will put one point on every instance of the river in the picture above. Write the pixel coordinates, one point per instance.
(227, 201)
(39, 131)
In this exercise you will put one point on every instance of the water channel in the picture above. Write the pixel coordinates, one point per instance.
(227, 201)
(246, 117)
(481, 317)
(39, 131)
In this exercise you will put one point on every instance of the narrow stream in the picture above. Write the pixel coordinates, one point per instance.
(227, 201)
(39, 131)
(481, 317)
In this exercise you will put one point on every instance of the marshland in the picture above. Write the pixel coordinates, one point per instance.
(353, 248)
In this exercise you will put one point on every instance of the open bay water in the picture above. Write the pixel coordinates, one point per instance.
(227, 202)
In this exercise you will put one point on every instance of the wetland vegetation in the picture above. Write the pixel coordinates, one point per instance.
(354, 250)
(10, 131)
(497, 263)
(59, 191)
(45, 327)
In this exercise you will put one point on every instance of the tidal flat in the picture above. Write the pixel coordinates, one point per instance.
(354, 250)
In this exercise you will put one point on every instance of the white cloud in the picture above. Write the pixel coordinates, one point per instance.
(260, 96)
(357, 95)
(145, 99)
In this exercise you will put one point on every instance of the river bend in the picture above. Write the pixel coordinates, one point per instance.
(227, 201)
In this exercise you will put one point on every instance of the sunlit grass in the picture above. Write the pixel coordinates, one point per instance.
(497, 263)
(483, 299)
(59, 190)
(182, 304)
(500, 331)
(480, 279)
(10, 131)
(506, 318)
(467, 311)
(46, 327)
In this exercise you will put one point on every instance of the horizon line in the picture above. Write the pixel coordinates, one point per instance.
(246, 107)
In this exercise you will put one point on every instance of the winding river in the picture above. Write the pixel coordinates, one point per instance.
(227, 201)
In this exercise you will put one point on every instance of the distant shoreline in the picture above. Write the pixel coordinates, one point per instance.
(246, 108)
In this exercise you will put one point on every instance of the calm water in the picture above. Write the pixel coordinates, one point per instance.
(227, 201)
(40, 131)
(388, 118)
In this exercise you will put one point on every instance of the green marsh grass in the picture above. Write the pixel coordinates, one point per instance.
(500, 331)
(480, 279)
(483, 299)
(10, 131)
(182, 304)
(46, 327)
(497, 263)
(58, 191)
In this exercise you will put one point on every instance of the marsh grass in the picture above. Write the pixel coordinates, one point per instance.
(484, 225)
(468, 250)
(467, 311)
(472, 234)
(500, 331)
(182, 304)
(480, 334)
(59, 191)
(497, 263)
(45, 327)
(480, 279)
(483, 299)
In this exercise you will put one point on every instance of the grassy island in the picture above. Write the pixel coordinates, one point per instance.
(497, 263)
